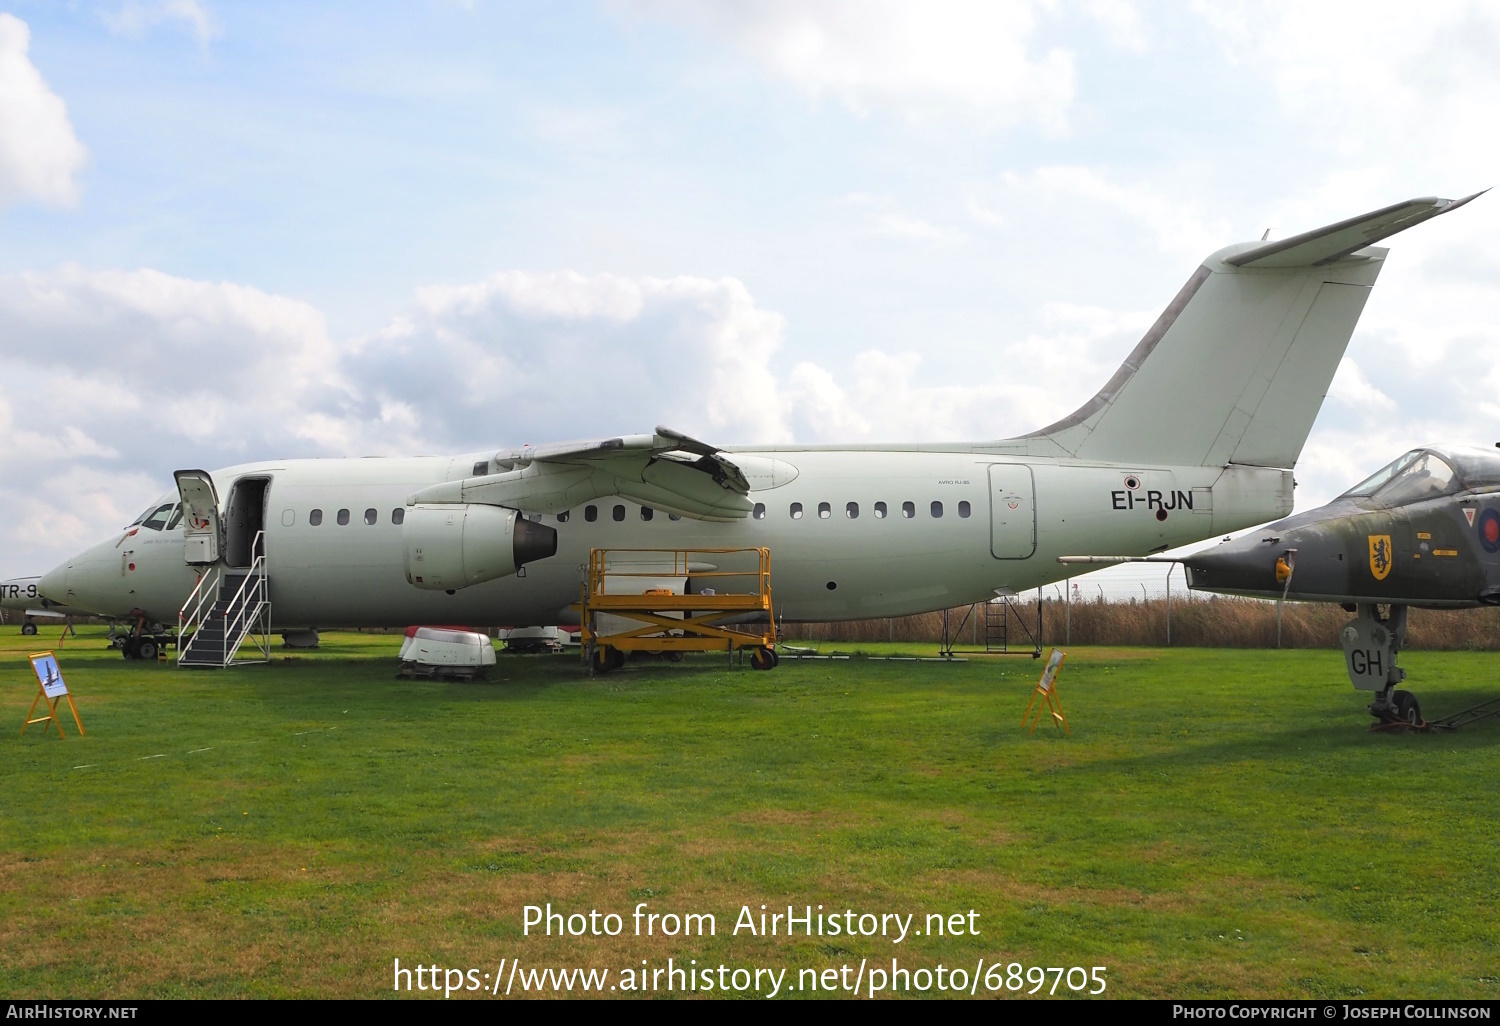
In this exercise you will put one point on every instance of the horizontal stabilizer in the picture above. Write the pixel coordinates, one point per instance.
(1337, 241)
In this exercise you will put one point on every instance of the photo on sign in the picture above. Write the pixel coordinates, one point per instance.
(47, 671)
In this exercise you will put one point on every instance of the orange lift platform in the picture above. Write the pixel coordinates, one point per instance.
(619, 585)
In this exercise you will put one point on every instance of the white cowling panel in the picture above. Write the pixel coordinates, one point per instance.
(455, 546)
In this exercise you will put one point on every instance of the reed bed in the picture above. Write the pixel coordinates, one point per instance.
(1204, 622)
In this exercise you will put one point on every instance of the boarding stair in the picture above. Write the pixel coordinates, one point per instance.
(229, 608)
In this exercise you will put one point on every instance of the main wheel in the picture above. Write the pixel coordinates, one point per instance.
(1407, 708)
(146, 649)
(28, 629)
(763, 659)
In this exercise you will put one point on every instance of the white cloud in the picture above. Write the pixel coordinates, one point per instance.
(918, 59)
(1351, 387)
(110, 380)
(884, 217)
(1121, 21)
(39, 154)
(1175, 222)
(524, 357)
(134, 17)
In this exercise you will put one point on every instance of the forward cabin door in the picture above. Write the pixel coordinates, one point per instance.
(1012, 511)
(200, 517)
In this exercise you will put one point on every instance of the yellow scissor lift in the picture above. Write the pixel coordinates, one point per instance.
(615, 575)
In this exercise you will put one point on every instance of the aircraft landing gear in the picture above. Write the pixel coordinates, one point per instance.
(1371, 644)
(28, 628)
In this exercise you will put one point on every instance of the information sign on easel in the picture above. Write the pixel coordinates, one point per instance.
(1045, 698)
(50, 690)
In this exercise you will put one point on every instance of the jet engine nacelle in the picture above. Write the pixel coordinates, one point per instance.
(452, 546)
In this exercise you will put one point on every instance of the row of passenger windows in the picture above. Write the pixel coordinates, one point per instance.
(825, 511)
(851, 510)
(372, 517)
(169, 516)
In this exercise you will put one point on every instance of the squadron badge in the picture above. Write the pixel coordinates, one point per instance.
(1380, 556)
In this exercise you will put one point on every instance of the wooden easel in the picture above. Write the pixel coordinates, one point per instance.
(50, 691)
(1045, 698)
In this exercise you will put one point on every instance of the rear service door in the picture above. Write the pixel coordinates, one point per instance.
(200, 517)
(1012, 511)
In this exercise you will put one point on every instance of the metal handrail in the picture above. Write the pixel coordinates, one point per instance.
(255, 576)
(681, 561)
(239, 616)
(195, 618)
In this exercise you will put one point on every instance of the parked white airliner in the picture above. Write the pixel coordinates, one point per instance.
(1193, 437)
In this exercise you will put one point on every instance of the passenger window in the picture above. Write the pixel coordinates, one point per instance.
(851, 510)
(880, 511)
(371, 516)
(177, 517)
(673, 516)
(796, 511)
(937, 510)
(963, 508)
(618, 513)
(288, 518)
(398, 515)
(908, 510)
(759, 513)
(591, 513)
(343, 518)
(157, 520)
(824, 511)
(647, 512)
(562, 518)
(481, 468)
(315, 517)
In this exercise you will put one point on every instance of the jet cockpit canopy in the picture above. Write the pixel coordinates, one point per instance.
(1428, 473)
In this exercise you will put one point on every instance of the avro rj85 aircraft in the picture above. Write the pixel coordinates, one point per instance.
(1194, 436)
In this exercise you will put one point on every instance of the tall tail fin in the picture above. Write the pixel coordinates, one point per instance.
(1236, 367)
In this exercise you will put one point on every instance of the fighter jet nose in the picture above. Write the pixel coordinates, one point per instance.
(1246, 564)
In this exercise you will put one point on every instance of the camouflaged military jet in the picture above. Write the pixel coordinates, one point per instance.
(1422, 531)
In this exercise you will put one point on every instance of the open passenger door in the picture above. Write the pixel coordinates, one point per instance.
(200, 517)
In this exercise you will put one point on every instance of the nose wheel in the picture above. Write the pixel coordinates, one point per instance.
(1397, 707)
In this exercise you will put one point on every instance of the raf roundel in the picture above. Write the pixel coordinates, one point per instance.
(1488, 527)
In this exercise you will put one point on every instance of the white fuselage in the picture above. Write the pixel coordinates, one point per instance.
(991, 535)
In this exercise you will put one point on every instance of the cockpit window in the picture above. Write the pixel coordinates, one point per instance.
(1381, 476)
(158, 519)
(1425, 477)
(1477, 468)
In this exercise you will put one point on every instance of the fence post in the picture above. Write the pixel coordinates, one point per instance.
(1169, 603)
(1068, 614)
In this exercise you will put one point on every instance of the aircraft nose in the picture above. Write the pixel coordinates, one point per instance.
(1254, 563)
(54, 584)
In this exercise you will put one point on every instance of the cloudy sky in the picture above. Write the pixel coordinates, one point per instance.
(234, 232)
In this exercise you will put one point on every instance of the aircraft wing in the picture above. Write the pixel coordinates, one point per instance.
(1337, 241)
(666, 470)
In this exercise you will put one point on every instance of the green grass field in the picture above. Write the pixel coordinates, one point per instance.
(1220, 823)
